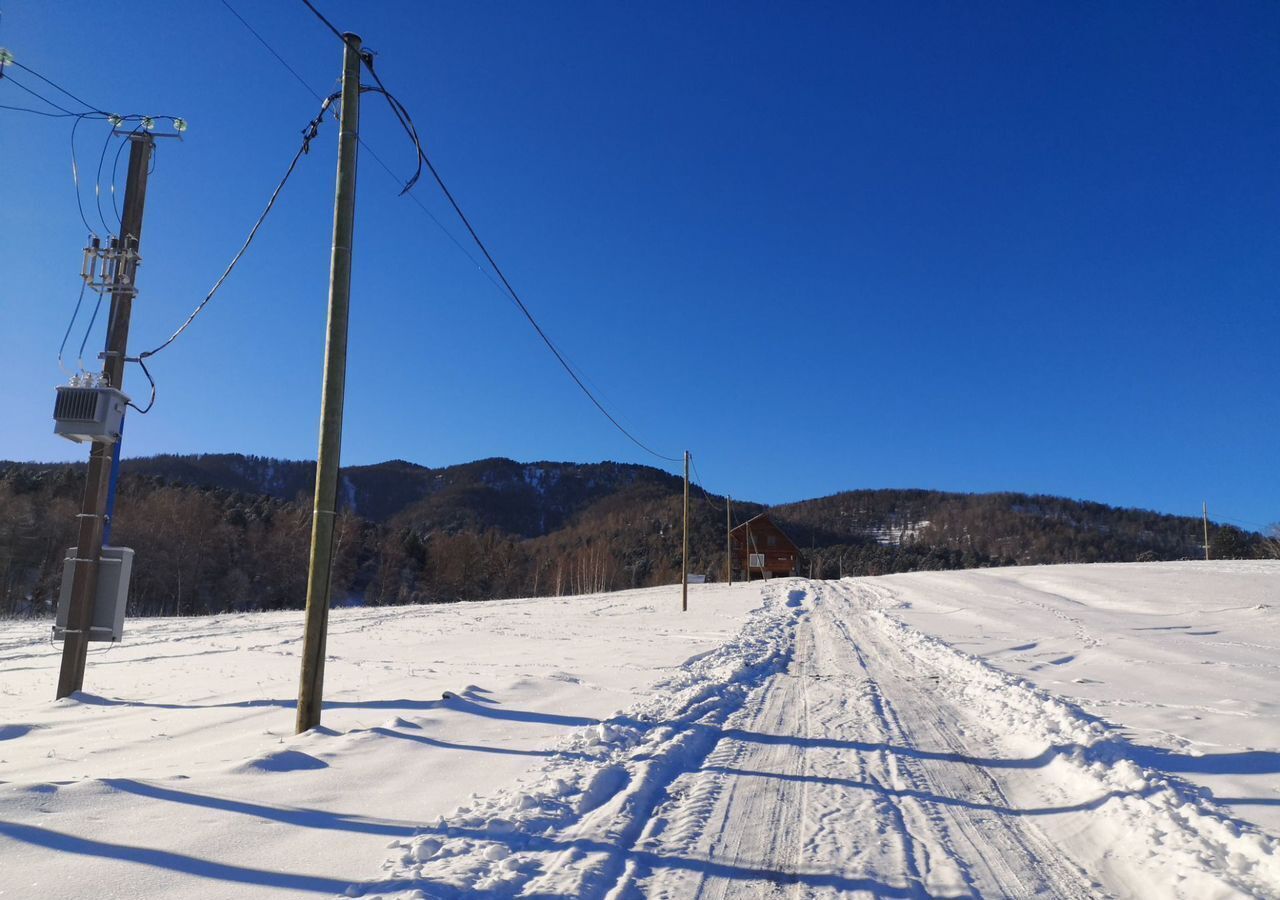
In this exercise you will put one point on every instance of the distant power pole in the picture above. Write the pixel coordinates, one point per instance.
(728, 540)
(1206, 530)
(684, 559)
(320, 569)
(92, 518)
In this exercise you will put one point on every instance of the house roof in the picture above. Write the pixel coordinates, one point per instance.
(768, 519)
(752, 519)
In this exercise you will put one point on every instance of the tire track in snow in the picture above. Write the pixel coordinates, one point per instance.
(979, 839)
(840, 753)
(1140, 831)
(580, 829)
(877, 820)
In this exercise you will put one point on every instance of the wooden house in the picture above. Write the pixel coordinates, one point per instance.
(762, 550)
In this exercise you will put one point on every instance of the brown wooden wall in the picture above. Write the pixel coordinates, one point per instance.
(781, 555)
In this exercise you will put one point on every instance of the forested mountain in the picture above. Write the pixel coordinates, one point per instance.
(218, 532)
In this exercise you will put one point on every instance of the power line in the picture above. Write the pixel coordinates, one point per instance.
(319, 15)
(364, 146)
(406, 123)
(372, 152)
(38, 112)
(97, 182)
(75, 177)
(705, 495)
(57, 87)
(97, 306)
(70, 325)
(93, 113)
(412, 132)
(62, 114)
(308, 134)
(538, 328)
(263, 41)
(41, 97)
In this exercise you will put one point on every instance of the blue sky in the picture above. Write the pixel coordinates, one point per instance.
(971, 247)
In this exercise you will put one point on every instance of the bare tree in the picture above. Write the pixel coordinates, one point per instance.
(1271, 541)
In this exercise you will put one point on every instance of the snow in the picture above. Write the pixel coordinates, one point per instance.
(178, 770)
(1183, 657)
(898, 533)
(900, 736)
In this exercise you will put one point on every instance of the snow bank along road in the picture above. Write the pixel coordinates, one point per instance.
(800, 740)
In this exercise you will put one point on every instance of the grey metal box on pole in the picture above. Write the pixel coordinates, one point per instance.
(115, 567)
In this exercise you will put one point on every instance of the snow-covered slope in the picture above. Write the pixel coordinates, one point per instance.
(794, 739)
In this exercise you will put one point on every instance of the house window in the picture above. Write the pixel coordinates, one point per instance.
(773, 540)
(756, 561)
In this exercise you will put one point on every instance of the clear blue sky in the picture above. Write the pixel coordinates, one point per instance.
(972, 246)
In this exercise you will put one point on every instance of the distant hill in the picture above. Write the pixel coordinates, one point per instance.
(524, 499)
(228, 531)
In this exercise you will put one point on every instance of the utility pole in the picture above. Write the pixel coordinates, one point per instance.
(728, 540)
(684, 559)
(93, 509)
(1206, 531)
(320, 570)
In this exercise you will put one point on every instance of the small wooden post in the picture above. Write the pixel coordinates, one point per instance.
(1206, 531)
(684, 559)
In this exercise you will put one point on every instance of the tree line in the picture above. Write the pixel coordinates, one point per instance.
(203, 550)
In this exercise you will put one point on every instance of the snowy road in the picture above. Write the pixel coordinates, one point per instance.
(853, 756)
(830, 750)
(789, 739)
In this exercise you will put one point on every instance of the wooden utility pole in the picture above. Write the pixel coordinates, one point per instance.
(1206, 530)
(684, 558)
(728, 540)
(84, 572)
(320, 570)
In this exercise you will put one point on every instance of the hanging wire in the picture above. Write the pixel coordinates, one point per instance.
(92, 113)
(263, 41)
(319, 15)
(37, 112)
(75, 178)
(88, 330)
(115, 168)
(41, 97)
(705, 495)
(70, 325)
(57, 87)
(406, 123)
(151, 381)
(1255, 525)
(368, 149)
(308, 134)
(506, 283)
(97, 184)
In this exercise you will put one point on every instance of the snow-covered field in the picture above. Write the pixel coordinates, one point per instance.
(790, 739)
(1183, 657)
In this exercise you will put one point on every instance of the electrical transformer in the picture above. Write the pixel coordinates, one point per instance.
(89, 413)
(115, 566)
